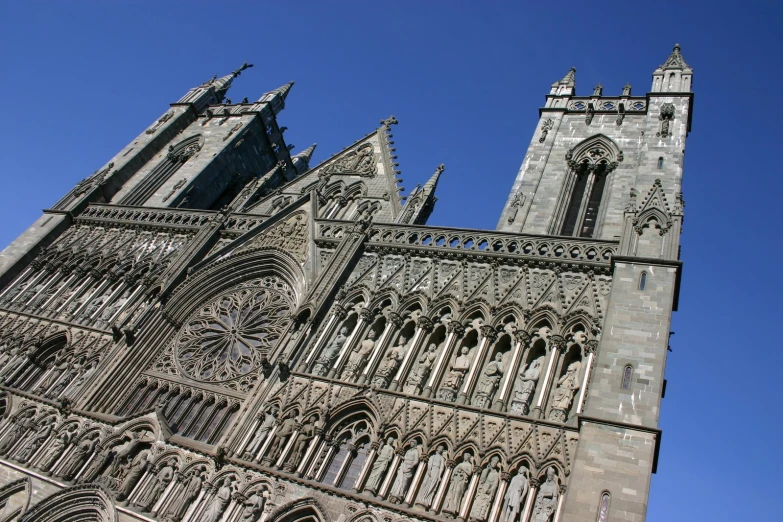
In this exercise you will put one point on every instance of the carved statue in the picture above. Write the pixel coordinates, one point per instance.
(405, 473)
(59, 365)
(303, 438)
(161, 482)
(391, 361)
(546, 499)
(429, 485)
(382, 460)
(81, 378)
(515, 496)
(73, 370)
(219, 502)
(19, 426)
(135, 470)
(564, 394)
(488, 382)
(180, 503)
(253, 507)
(95, 304)
(324, 362)
(19, 356)
(34, 442)
(459, 481)
(267, 423)
(282, 433)
(78, 457)
(356, 358)
(55, 449)
(421, 370)
(110, 310)
(485, 492)
(525, 387)
(453, 379)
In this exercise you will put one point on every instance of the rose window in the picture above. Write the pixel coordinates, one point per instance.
(229, 337)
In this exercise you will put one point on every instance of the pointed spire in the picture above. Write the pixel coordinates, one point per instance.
(432, 183)
(221, 85)
(675, 60)
(570, 78)
(566, 85)
(421, 201)
(674, 75)
(301, 160)
(276, 98)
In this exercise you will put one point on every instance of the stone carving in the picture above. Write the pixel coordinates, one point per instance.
(133, 469)
(303, 438)
(282, 433)
(382, 460)
(457, 370)
(324, 362)
(429, 485)
(180, 503)
(488, 382)
(405, 471)
(391, 361)
(516, 203)
(515, 496)
(546, 499)
(253, 506)
(33, 442)
(78, 457)
(160, 483)
(19, 427)
(357, 356)
(666, 116)
(545, 128)
(626, 90)
(220, 501)
(56, 448)
(459, 481)
(178, 185)
(289, 235)
(268, 419)
(166, 117)
(598, 90)
(564, 394)
(485, 492)
(359, 162)
(74, 369)
(60, 363)
(421, 370)
(525, 387)
(589, 113)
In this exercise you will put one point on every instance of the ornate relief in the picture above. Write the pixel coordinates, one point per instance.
(358, 162)
(289, 235)
(666, 116)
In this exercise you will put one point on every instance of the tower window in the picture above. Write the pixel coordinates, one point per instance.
(660, 163)
(585, 201)
(643, 281)
(627, 374)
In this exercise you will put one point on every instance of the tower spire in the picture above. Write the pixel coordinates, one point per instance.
(301, 160)
(567, 85)
(276, 98)
(221, 85)
(675, 75)
(421, 201)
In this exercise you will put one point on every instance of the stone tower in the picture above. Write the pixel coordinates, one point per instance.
(208, 328)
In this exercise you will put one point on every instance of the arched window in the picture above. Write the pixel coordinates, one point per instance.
(336, 465)
(603, 507)
(627, 374)
(643, 281)
(358, 459)
(660, 163)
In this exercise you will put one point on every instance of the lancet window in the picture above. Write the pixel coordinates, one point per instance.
(346, 454)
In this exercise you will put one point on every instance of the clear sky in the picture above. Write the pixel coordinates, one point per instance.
(79, 80)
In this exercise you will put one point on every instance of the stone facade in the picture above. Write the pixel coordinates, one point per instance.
(209, 329)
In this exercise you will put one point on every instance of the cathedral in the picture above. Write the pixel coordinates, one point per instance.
(210, 328)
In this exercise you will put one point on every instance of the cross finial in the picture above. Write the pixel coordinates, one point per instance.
(391, 120)
(242, 68)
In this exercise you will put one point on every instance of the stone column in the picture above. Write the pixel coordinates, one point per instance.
(522, 342)
(206, 494)
(301, 468)
(19, 280)
(394, 323)
(560, 501)
(423, 326)
(267, 441)
(288, 446)
(359, 485)
(437, 501)
(59, 292)
(338, 314)
(557, 346)
(497, 504)
(349, 343)
(34, 280)
(417, 477)
(163, 501)
(390, 473)
(246, 439)
(79, 272)
(531, 499)
(467, 500)
(455, 332)
(590, 347)
(488, 335)
(92, 295)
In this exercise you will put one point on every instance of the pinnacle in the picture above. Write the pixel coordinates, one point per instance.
(221, 85)
(280, 91)
(569, 79)
(308, 152)
(675, 60)
(433, 181)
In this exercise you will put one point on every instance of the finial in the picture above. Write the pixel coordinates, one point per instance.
(627, 89)
(598, 90)
(440, 168)
(242, 68)
(391, 120)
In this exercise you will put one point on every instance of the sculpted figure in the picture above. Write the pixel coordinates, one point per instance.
(78, 457)
(303, 438)
(282, 433)
(110, 310)
(55, 449)
(81, 378)
(488, 382)
(453, 378)
(161, 482)
(429, 485)
(135, 470)
(18, 357)
(34, 442)
(253, 507)
(219, 502)
(564, 394)
(356, 359)
(546, 499)
(420, 372)
(180, 503)
(19, 426)
(382, 460)
(515, 496)
(391, 361)
(525, 387)
(268, 420)
(73, 370)
(324, 362)
(459, 481)
(405, 473)
(485, 492)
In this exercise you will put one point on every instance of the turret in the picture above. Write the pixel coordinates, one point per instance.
(566, 86)
(301, 160)
(421, 201)
(276, 98)
(674, 75)
(213, 91)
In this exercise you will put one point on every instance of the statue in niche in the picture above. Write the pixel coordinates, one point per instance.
(429, 485)
(564, 394)
(546, 499)
(180, 503)
(81, 378)
(515, 496)
(453, 379)
(324, 362)
(161, 482)
(95, 304)
(116, 454)
(19, 427)
(34, 442)
(110, 310)
(56, 448)
(391, 361)
(219, 502)
(382, 460)
(286, 428)
(18, 357)
(268, 419)
(253, 507)
(459, 481)
(405, 473)
(421, 370)
(488, 382)
(485, 492)
(74, 368)
(525, 387)
(357, 356)
(303, 438)
(59, 365)
(78, 457)
(133, 472)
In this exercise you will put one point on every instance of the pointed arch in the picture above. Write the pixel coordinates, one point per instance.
(21, 485)
(302, 510)
(83, 503)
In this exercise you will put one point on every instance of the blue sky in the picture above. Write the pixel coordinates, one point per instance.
(465, 80)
